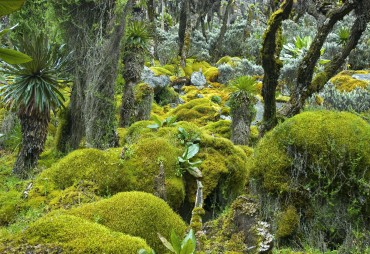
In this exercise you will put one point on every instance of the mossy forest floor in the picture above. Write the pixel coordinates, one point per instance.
(310, 177)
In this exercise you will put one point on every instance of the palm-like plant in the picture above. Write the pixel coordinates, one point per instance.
(242, 102)
(33, 93)
(136, 45)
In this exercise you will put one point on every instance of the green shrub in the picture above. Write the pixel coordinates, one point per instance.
(134, 213)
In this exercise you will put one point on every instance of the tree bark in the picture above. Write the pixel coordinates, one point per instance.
(184, 35)
(307, 65)
(271, 63)
(216, 47)
(34, 131)
(100, 105)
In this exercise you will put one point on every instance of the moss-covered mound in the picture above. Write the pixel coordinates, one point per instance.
(199, 111)
(135, 213)
(316, 165)
(84, 175)
(9, 204)
(345, 82)
(220, 128)
(223, 167)
(76, 235)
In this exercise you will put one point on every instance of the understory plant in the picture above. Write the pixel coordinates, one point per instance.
(34, 93)
(168, 122)
(242, 102)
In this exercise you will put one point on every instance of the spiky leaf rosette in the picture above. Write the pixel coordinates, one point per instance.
(35, 88)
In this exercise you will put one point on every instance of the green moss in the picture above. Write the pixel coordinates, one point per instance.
(211, 74)
(102, 167)
(143, 167)
(221, 128)
(199, 111)
(158, 71)
(203, 65)
(2, 115)
(232, 61)
(319, 154)
(223, 167)
(77, 235)
(137, 214)
(141, 91)
(345, 82)
(288, 222)
(9, 205)
(166, 96)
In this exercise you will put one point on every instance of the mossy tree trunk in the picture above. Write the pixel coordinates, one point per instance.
(100, 104)
(133, 66)
(34, 128)
(307, 65)
(78, 26)
(272, 45)
(216, 47)
(143, 102)
(242, 114)
(184, 31)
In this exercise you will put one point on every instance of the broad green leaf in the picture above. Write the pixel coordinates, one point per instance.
(153, 126)
(192, 151)
(9, 6)
(181, 160)
(189, 243)
(176, 241)
(166, 243)
(195, 163)
(13, 57)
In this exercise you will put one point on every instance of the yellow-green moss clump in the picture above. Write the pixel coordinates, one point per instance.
(200, 111)
(211, 74)
(84, 175)
(137, 214)
(220, 128)
(2, 115)
(317, 163)
(345, 82)
(288, 222)
(223, 167)
(76, 235)
(9, 204)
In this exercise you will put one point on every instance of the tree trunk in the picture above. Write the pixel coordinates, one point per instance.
(34, 131)
(271, 63)
(184, 36)
(307, 65)
(216, 47)
(100, 104)
(242, 115)
(306, 87)
(127, 112)
(143, 102)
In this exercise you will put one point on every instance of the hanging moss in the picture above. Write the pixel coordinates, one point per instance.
(137, 214)
(76, 235)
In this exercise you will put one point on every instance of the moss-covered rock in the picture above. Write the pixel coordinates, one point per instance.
(223, 167)
(317, 163)
(345, 82)
(137, 214)
(10, 202)
(76, 235)
(211, 74)
(199, 111)
(84, 175)
(220, 128)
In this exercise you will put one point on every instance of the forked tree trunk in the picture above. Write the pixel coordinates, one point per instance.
(34, 131)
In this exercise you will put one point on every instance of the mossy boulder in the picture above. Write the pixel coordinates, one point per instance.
(317, 163)
(345, 82)
(10, 202)
(83, 176)
(199, 111)
(220, 128)
(77, 235)
(223, 167)
(135, 213)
